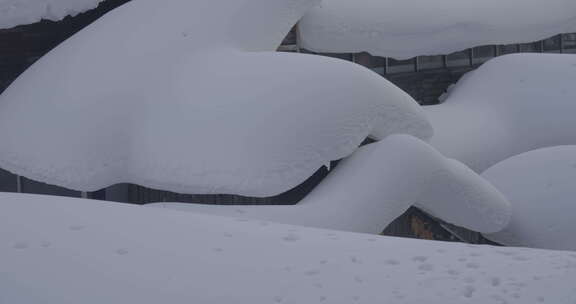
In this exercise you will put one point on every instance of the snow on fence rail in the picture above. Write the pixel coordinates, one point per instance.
(415, 27)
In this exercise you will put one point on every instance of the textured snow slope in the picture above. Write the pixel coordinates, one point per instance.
(62, 251)
(19, 12)
(409, 28)
(177, 103)
(510, 105)
(541, 185)
(375, 185)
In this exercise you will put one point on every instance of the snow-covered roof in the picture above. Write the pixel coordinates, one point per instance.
(510, 105)
(60, 250)
(20, 12)
(408, 28)
(378, 183)
(173, 105)
(541, 185)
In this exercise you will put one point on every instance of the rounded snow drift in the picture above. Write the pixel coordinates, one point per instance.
(541, 186)
(172, 105)
(409, 28)
(510, 105)
(378, 183)
(260, 127)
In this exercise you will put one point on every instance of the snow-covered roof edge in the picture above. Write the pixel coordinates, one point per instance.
(21, 12)
(418, 28)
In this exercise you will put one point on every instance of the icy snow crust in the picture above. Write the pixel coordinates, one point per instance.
(541, 186)
(510, 105)
(104, 252)
(20, 12)
(378, 183)
(192, 110)
(421, 27)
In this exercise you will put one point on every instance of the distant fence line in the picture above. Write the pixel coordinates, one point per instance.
(426, 78)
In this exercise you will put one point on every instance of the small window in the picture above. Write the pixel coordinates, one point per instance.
(459, 59)
(569, 43)
(552, 45)
(509, 49)
(363, 59)
(379, 65)
(430, 62)
(482, 54)
(343, 56)
(534, 47)
(375, 63)
(401, 66)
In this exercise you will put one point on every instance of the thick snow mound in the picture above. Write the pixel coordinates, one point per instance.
(378, 183)
(421, 27)
(510, 105)
(114, 253)
(181, 124)
(19, 12)
(175, 106)
(541, 186)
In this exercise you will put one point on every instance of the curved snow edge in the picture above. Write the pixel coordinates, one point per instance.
(22, 12)
(377, 184)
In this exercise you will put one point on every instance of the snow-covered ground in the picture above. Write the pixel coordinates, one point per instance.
(408, 28)
(19, 12)
(193, 111)
(378, 183)
(510, 105)
(541, 185)
(62, 251)
(189, 96)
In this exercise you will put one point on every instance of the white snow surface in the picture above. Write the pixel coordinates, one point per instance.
(510, 105)
(409, 28)
(193, 100)
(541, 186)
(58, 250)
(378, 183)
(20, 12)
